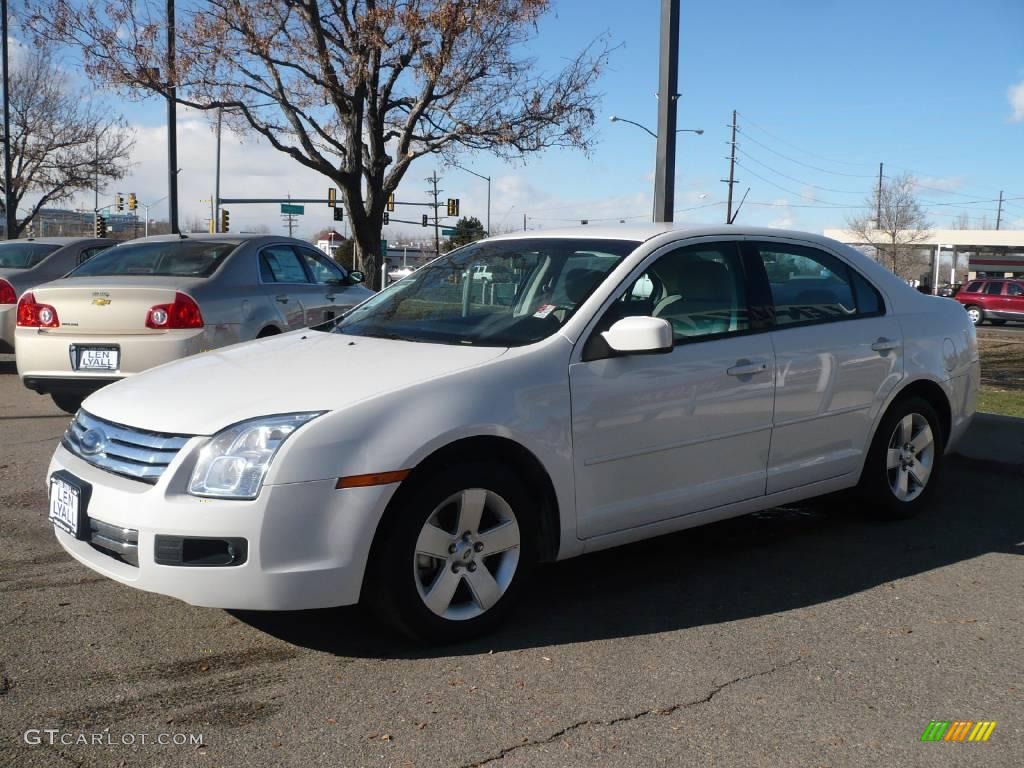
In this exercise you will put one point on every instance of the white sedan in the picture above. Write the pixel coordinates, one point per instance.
(428, 449)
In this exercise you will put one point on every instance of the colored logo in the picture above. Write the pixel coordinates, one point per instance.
(93, 442)
(958, 730)
(101, 302)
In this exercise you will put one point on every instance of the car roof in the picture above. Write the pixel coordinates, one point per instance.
(48, 240)
(643, 232)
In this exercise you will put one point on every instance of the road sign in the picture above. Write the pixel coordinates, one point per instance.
(384, 248)
(294, 210)
(447, 231)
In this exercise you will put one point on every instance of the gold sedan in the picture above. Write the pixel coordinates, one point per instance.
(150, 301)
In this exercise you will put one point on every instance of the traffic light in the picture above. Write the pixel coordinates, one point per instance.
(426, 220)
(133, 201)
(391, 203)
(225, 220)
(387, 218)
(101, 227)
(339, 214)
(453, 206)
(332, 197)
(119, 200)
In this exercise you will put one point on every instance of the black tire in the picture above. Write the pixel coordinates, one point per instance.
(998, 322)
(977, 316)
(876, 489)
(67, 402)
(396, 574)
(271, 331)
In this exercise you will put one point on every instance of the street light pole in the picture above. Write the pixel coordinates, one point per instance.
(488, 180)
(11, 215)
(172, 125)
(216, 183)
(665, 166)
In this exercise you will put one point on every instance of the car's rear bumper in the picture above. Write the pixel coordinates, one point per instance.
(306, 544)
(45, 359)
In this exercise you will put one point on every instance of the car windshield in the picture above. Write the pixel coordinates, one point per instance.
(182, 258)
(24, 255)
(500, 293)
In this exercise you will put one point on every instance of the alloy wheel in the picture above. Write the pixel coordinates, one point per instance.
(466, 554)
(974, 315)
(910, 457)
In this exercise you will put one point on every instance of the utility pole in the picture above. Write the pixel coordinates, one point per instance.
(999, 213)
(10, 214)
(878, 214)
(216, 182)
(732, 180)
(665, 161)
(432, 179)
(96, 189)
(524, 222)
(172, 125)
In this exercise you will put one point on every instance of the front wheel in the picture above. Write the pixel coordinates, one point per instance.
(975, 315)
(460, 545)
(903, 464)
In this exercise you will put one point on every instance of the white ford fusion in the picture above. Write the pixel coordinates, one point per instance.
(594, 388)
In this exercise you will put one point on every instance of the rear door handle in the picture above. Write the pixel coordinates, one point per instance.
(884, 345)
(747, 367)
(282, 299)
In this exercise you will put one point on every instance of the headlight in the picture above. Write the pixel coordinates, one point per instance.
(233, 464)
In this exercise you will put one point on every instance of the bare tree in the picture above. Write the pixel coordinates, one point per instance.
(963, 221)
(354, 89)
(902, 225)
(61, 140)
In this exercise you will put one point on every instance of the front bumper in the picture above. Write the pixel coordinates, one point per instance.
(44, 359)
(307, 543)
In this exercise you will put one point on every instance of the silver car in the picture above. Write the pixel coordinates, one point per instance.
(149, 301)
(27, 263)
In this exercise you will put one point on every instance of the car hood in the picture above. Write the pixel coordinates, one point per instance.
(299, 371)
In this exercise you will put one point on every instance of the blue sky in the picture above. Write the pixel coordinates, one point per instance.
(824, 89)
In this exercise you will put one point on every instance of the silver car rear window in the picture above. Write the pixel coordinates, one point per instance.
(180, 258)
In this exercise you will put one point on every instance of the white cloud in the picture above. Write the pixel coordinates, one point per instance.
(784, 214)
(1015, 94)
(939, 184)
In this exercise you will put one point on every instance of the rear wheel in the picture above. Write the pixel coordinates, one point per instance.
(903, 464)
(67, 402)
(975, 314)
(459, 548)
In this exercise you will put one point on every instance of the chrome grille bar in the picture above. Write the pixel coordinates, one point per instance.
(135, 453)
(123, 542)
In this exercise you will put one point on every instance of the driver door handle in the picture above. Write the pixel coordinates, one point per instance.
(748, 367)
(282, 299)
(884, 345)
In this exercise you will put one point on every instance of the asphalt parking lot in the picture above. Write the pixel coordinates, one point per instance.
(796, 637)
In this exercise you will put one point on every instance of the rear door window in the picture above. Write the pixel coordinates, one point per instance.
(280, 264)
(810, 286)
(994, 288)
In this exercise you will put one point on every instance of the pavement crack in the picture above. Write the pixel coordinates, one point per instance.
(706, 699)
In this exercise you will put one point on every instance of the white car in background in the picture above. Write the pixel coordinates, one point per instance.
(425, 451)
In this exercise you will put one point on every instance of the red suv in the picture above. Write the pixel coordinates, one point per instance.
(994, 299)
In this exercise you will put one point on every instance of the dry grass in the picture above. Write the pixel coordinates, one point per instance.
(1002, 377)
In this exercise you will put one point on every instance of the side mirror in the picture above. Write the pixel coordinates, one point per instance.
(355, 276)
(640, 335)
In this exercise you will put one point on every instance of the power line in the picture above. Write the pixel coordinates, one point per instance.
(799, 181)
(807, 165)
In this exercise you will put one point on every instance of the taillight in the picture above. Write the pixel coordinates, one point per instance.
(183, 313)
(33, 315)
(7, 294)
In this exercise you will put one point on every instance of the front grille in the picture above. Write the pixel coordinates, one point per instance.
(120, 543)
(135, 453)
